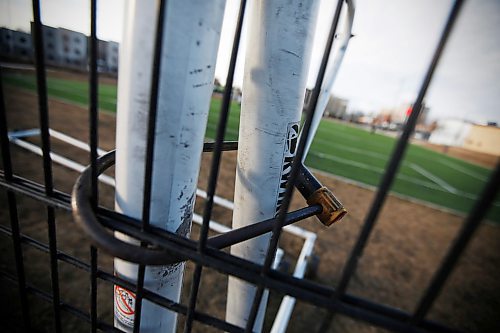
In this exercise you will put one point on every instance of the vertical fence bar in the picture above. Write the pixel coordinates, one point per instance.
(139, 291)
(150, 143)
(276, 68)
(94, 143)
(394, 162)
(294, 172)
(93, 289)
(138, 54)
(185, 77)
(471, 223)
(14, 218)
(47, 161)
(93, 97)
(214, 168)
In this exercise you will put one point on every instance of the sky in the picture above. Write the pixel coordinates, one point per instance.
(385, 61)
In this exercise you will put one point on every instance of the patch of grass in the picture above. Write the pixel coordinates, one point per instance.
(70, 90)
(360, 155)
(338, 148)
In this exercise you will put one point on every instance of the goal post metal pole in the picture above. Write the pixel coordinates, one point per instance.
(276, 68)
(191, 35)
(331, 75)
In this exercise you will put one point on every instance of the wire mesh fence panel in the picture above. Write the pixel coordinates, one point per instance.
(133, 261)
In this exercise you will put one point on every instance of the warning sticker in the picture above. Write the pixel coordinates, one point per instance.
(124, 306)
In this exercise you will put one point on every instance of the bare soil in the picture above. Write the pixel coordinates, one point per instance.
(406, 246)
(486, 160)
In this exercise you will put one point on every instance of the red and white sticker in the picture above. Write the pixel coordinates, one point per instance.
(124, 306)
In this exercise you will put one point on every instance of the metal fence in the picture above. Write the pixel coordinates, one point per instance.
(205, 252)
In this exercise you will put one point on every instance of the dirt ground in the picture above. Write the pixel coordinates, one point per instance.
(407, 244)
(483, 159)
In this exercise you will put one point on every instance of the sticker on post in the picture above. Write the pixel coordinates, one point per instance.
(292, 136)
(124, 306)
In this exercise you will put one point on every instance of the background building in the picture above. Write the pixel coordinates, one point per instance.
(15, 45)
(336, 107)
(63, 48)
(460, 133)
(50, 45)
(107, 58)
(72, 48)
(484, 139)
(398, 115)
(450, 132)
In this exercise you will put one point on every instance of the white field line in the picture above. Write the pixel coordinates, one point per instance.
(72, 141)
(59, 159)
(348, 162)
(24, 133)
(409, 179)
(376, 170)
(433, 177)
(218, 200)
(464, 170)
(353, 150)
(385, 157)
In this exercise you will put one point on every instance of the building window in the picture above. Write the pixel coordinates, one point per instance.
(50, 46)
(22, 39)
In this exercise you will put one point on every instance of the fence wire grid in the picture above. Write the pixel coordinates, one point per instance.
(329, 299)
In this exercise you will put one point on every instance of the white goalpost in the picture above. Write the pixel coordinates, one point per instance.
(331, 72)
(188, 57)
(276, 67)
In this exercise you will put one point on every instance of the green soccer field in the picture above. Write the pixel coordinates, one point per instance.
(338, 149)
